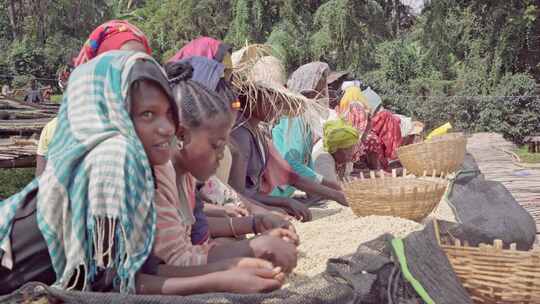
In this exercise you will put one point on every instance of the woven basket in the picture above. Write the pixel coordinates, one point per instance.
(406, 197)
(442, 154)
(492, 274)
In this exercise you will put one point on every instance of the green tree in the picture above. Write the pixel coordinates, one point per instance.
(518, 110)
(438, 39)
(291, 36)
(252, 21)
(399, 61)
(170, 24)
(346, 33)
(42, 33)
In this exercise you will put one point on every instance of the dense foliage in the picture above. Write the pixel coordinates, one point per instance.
(473, 63)
(13, 180)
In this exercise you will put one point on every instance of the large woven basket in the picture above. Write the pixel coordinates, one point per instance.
(442, 154)
(492, 274)
(406, 197)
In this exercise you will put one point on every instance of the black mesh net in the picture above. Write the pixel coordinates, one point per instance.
(371, 275)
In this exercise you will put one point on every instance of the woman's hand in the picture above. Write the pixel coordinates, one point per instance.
(235, 211)
(250, 276)
(268, 221)
(244, 262)
(298, 210)
(288, 235)
(331, 184)
(282, 214)
(274, 249)
(340, 197)
(249, 280)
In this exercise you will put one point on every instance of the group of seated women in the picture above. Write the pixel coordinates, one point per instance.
(166, 180)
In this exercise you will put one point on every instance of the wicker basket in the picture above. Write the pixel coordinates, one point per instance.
(406, 197)
(440, 155)
(492, 274)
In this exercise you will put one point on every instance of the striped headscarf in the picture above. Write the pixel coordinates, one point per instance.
(338, 134)
(110, 36)
(97, 176)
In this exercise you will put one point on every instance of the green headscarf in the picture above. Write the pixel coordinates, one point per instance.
(339, 135)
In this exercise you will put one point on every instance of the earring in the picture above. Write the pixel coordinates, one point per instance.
(180, 144)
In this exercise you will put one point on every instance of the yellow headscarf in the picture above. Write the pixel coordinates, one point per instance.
(339, 135)
(353, 94)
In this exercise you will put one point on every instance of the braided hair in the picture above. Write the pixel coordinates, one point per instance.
(196, 102)
(225, 91)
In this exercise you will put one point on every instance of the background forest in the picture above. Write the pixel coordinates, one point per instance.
(474, 63)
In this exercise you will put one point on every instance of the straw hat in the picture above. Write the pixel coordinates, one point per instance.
(262, 78)
(268, 70)
(249, 54)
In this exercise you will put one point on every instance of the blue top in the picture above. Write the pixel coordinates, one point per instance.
(294, 142)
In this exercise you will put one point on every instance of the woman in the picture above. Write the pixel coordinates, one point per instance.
(311, 79)
(206, 120)
(257, 166)
(335, 150)
(111, 35)
(95, 223)
(211, 76)
(101, 192)
(211, 60)
(213, 221)
(215, 76)
(380, 128)
(294, 136)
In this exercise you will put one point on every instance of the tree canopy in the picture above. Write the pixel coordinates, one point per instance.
(450, 48)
